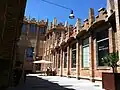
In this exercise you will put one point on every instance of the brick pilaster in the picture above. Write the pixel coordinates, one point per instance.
(56, 60)
(95, 55)
(91, 46)
(61, 62)
(111, 41)
(57, 57)
(68, 60)
(77, 60)
(117, 16)
(80, 57)
(53, 58)
(70, 63)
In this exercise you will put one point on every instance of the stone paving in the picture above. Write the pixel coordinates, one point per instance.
(37, 82)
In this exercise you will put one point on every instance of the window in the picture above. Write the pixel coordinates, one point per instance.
(42, 30)
(85, 51)
(33, 28)
(102, 46)
(74, 55)
(65, 58)
(24, 28)
(29, 53)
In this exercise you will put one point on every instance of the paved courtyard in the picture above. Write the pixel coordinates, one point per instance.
(37, 82)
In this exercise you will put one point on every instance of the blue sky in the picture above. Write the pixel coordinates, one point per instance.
(42, 10)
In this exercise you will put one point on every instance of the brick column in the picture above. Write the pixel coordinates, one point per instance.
(53, 60)
(61, 62)
(95, 55)
(50, 59)
(91, 46)
(111, 41)
(53, 66)
(57, 57)
(77, 60)
(80, 57)
(117, 10)
(68, 60)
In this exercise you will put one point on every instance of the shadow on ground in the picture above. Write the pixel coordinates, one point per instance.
(35, 83)
(38, 83)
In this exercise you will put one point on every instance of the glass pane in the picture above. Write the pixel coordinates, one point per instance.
(103, 50)
(65, 60)
(74, 59)
(101, 54)
(86, 56)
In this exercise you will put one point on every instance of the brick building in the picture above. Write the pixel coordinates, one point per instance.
(34, 33)
(77, 51)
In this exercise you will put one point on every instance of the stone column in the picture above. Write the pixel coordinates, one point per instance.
(77, 59)
(61, 62)
(68, 60)
(91, 58)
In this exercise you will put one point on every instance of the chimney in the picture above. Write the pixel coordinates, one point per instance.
(47, 21)
(110, 6)
(78, 24)
(86, 23)
(91, 16)
(54, 22)
(66, 24)
(50, 25)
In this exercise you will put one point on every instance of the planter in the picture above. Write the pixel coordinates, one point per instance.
(111, 81)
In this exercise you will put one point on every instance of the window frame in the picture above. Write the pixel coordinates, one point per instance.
(97, 47)
(72, 50)
(84, 46)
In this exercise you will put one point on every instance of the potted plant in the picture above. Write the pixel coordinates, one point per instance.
(111, 81)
